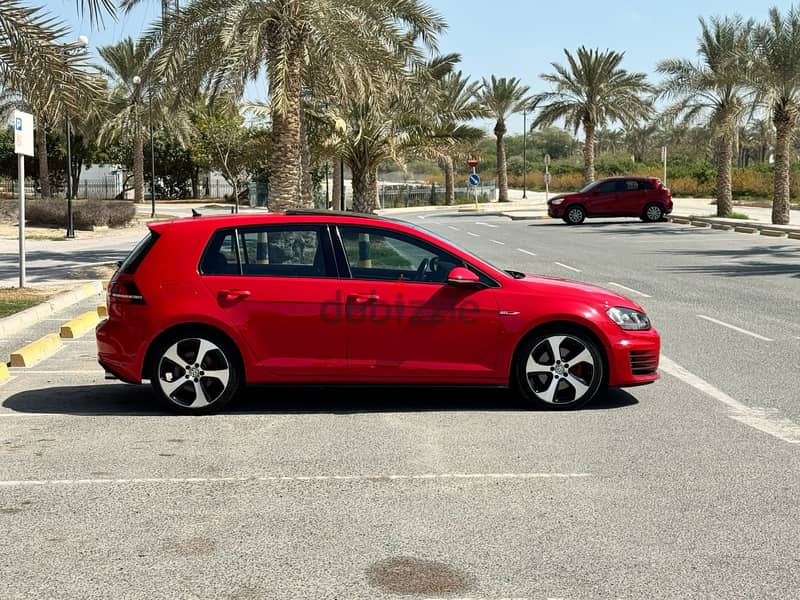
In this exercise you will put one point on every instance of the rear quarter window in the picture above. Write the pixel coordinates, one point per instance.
(137, 255)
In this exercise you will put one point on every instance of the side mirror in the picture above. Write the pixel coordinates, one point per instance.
(463, 277)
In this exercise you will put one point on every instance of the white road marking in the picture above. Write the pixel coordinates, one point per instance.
(473, 234)
(528, 252)
(568, 267)
(278, 478)
(763, 419)
(454, 228)
(631, 290)
(420, 217)
(486, 224)
(735, 328)
(27, 371)
(498, 242)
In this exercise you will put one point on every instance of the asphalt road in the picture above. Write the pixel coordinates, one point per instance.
(683, 489)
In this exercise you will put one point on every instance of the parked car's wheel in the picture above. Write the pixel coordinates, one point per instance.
(653, 212)
(196, 373)
(575, 215)
(559, 370)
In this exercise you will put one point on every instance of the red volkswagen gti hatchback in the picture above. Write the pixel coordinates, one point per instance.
(205, 305)
(643, 197)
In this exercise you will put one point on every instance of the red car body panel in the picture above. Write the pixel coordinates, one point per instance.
(344, 330)
(616, 203)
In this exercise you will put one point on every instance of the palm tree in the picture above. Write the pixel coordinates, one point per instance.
(502, 98)
(714, 91)
(226, 44)
(590, 93)
(777, 80)
(455, 103)
(639, 138)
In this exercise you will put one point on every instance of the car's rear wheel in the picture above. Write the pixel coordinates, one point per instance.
(559, 370)
(196, 373)
(653, 212)
(575, 215)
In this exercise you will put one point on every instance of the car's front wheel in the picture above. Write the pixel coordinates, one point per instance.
(652, 213)
(196, 373)
(559, 370)
(575, 215)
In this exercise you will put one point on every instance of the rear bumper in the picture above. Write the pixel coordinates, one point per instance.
(123, 363)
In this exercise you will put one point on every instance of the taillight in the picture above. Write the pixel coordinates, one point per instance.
(124, 291)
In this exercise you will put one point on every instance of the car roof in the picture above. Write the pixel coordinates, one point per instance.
(289, 216)
(617, 177)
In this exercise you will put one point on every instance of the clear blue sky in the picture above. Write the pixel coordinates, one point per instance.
(519, 38)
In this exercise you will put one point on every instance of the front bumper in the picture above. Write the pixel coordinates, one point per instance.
(634, 358)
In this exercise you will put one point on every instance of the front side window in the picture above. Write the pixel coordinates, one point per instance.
(378, 254)
(607, 187)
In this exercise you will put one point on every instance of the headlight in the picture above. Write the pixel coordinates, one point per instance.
(627, 318)
(556, 201)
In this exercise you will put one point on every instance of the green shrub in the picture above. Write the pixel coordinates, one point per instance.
(86, 214)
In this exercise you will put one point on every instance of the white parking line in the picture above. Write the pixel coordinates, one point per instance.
(631, 290)
(568, 267)
(528, 252)
(454, 228)
(473, 234)
(486, 224)
(420, 217)
(758, 418)
(292, 478)
(735, 328)
(498, 242)
(27, 371)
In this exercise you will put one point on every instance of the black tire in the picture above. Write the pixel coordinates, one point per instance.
(190, 356)
(653, 213)
(575, 214)
(553, 383)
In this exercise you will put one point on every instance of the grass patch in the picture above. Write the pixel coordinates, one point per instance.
(14, 300)
(733, 215)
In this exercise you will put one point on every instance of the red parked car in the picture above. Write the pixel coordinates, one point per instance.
(205, 305)
(643, 197)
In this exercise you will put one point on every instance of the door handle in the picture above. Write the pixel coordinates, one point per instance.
(234, 294)
(363, 298)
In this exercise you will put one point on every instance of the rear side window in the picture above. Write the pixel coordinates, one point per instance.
(647, 185)
(136, 256)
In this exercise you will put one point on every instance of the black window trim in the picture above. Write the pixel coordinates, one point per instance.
(346, 273)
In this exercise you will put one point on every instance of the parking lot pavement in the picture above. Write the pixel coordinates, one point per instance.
(386, 493)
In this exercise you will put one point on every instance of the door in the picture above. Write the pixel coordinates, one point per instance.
(631, 199)
(274, 285)
(603, 199)
(404, 322)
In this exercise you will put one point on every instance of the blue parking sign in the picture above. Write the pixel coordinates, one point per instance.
(18, 124)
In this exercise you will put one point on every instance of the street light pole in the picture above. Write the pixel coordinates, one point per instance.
(524, 153)
(152, 157)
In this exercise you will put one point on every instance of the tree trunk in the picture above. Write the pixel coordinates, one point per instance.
(361, 190)
(195, 182)
(449, 180)
(502, 167)
(44, 167)
(77, 168)
(138, 166)
(723, 158)
(337, 185)
(588, 151)
(306, 195)
(285, 161)
(372, 190)
(784, 132)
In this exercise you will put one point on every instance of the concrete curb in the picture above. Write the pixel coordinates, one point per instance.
(79, 325)
(513, 217)
(4, 374)
(700, 224)
(102, 311)
(743, 229)
(795, 235)
(36, 351)
(773, 233)
(15, 323)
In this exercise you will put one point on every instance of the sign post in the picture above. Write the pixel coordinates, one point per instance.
(474, 180)
(23, 146)
(546, 177)
(664, 158)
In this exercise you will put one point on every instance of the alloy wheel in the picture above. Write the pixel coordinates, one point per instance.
(562, 370)
(194, 373)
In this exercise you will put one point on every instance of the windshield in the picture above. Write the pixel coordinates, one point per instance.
(589, 186)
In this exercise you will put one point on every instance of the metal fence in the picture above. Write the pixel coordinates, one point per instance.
(404, 195)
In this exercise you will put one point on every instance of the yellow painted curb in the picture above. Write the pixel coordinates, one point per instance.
(773, 233)
(795, 235)
(80, 325)
(36, 351)
(105, 284)
(102, 311)
(4, 372)
(741, 229)
(681, 220)
(722, 226)
(700, 224)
